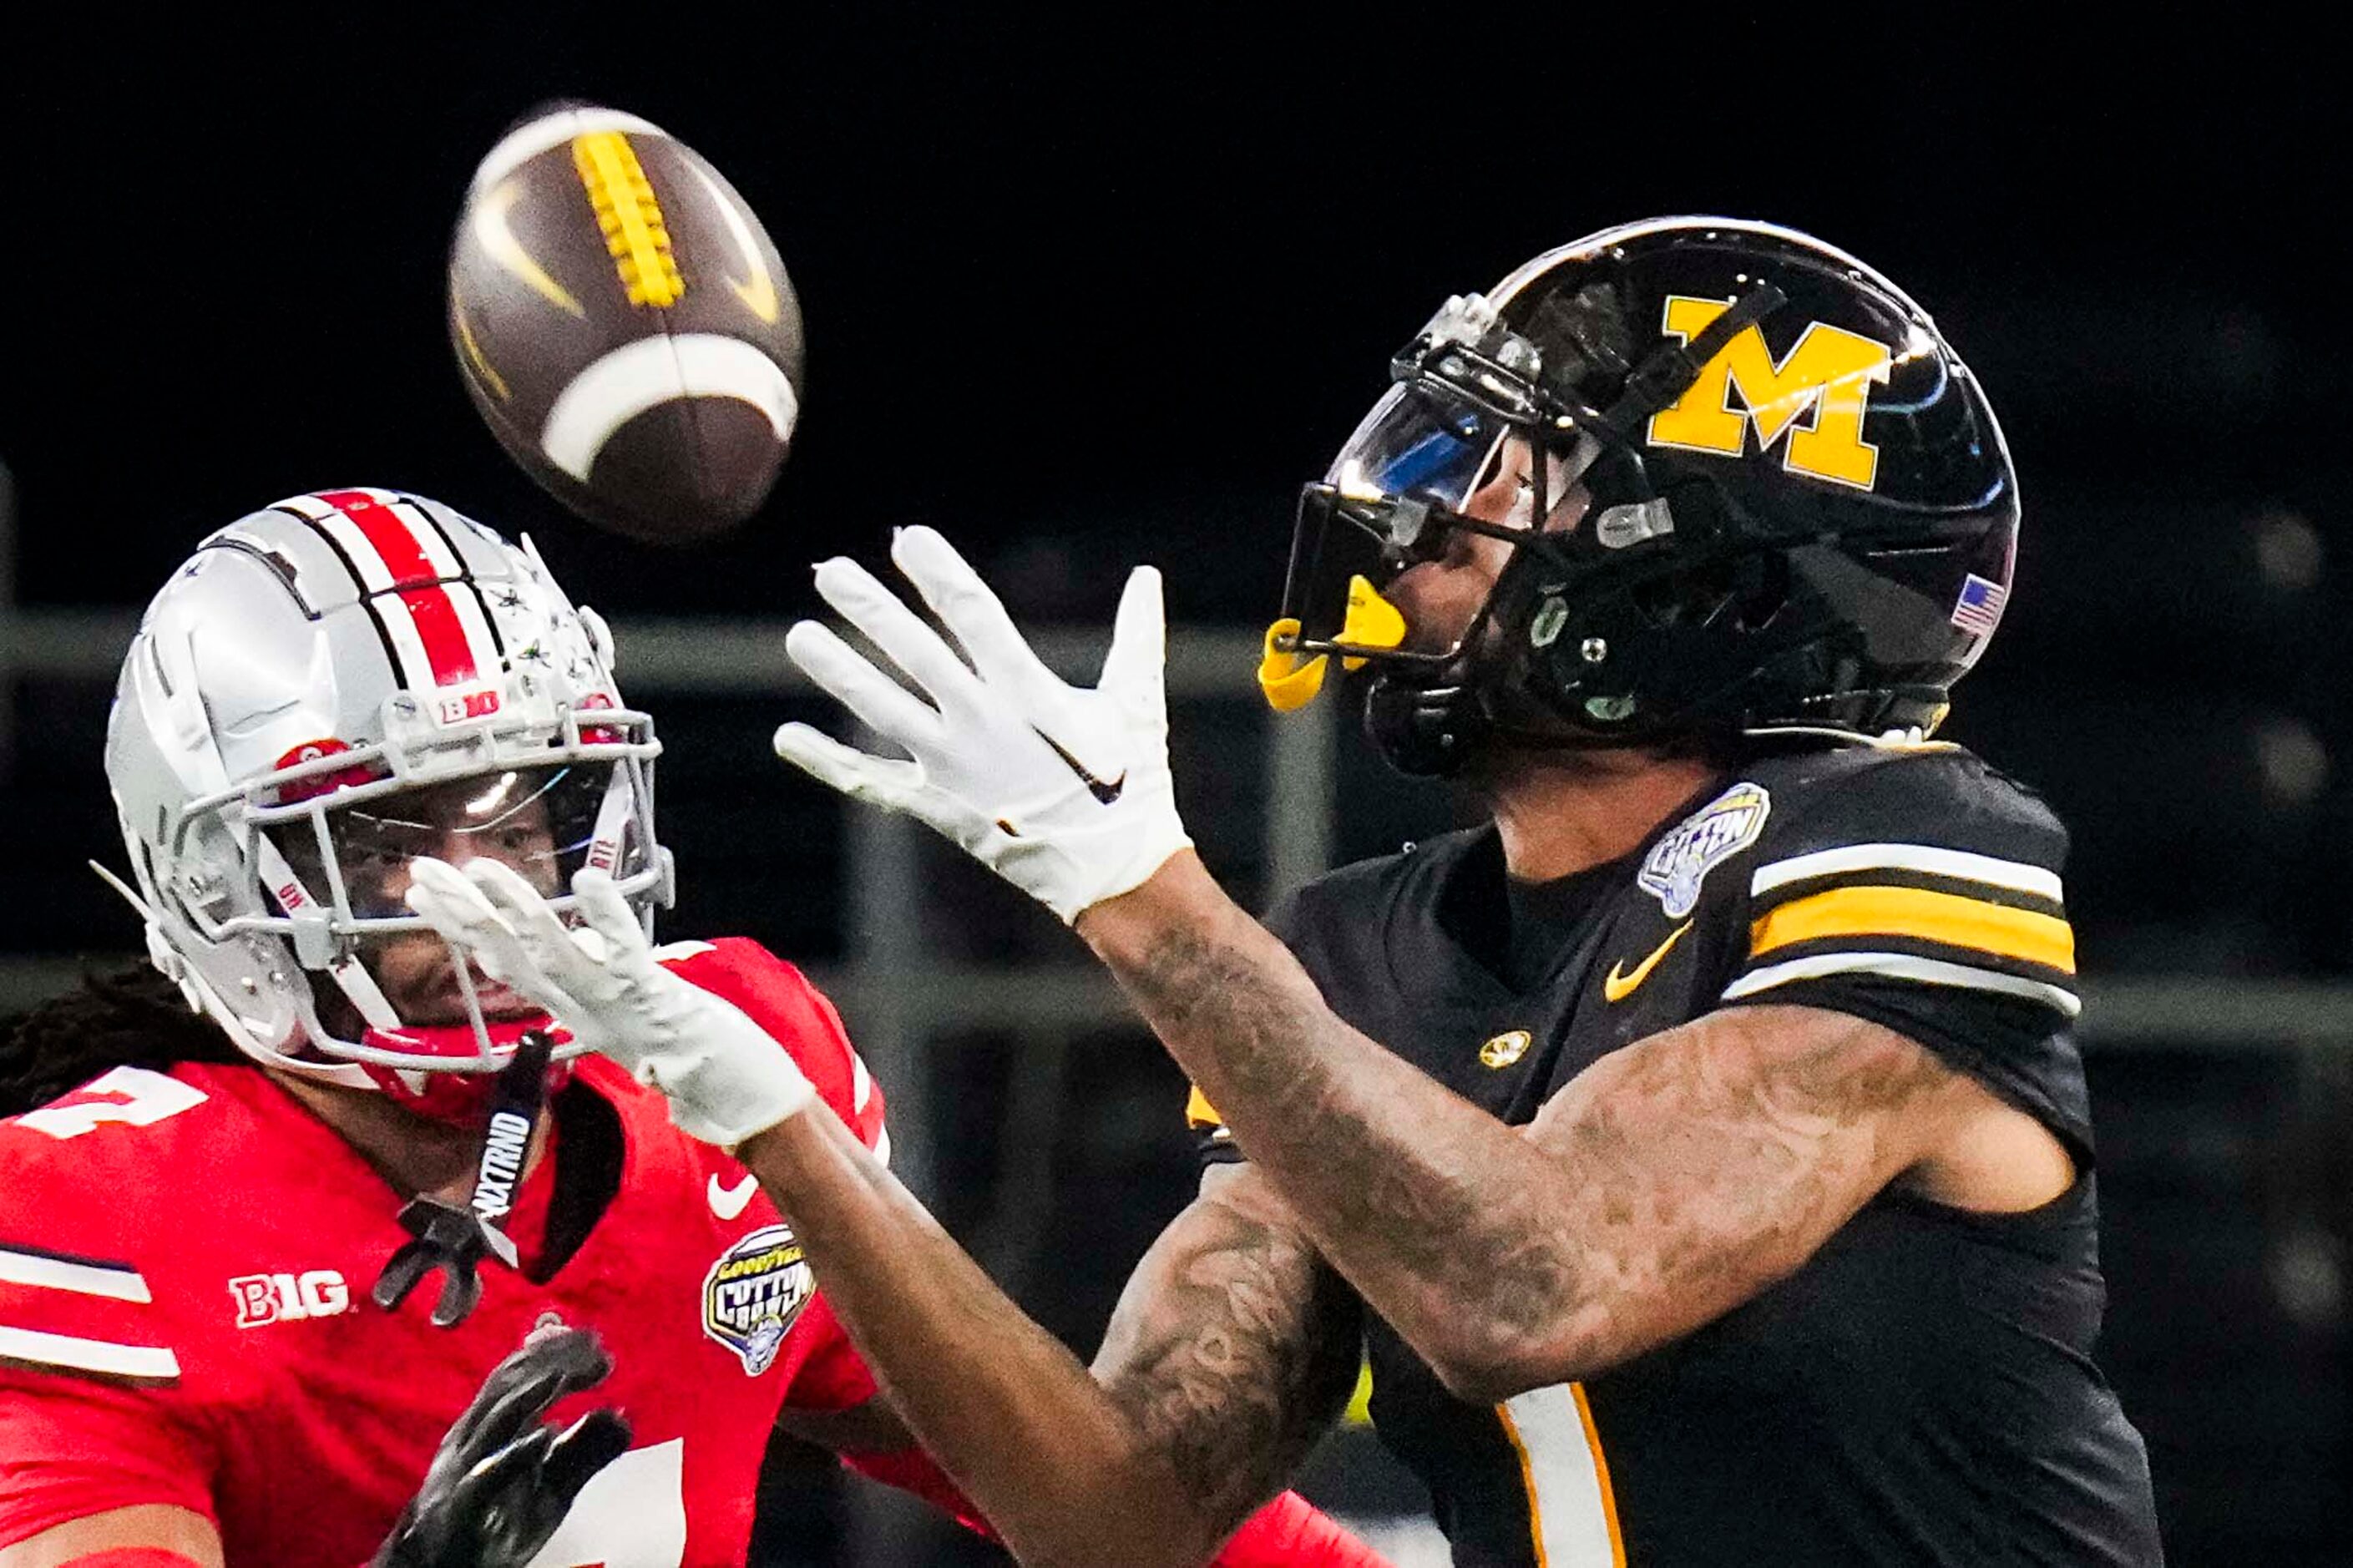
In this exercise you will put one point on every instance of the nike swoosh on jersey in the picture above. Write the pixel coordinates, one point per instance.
(1617, 987)
(728, 1203)
(1103, 792)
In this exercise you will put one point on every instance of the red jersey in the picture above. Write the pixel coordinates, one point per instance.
(184, 1263)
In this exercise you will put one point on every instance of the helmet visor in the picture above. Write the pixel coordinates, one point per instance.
(548, 822)
(1420, 469)
(1418, 445)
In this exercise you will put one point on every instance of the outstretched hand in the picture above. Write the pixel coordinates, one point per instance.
(1063, 791)
(502, 1479)
(726, 1077)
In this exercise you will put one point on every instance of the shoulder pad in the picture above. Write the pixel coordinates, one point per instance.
(1921, 866)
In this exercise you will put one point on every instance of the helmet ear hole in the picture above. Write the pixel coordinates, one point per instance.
(1737, 594)
(1762, 592)
(1697, 597)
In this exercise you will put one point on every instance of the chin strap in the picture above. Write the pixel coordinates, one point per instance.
(455, 1098)
(1672, 369)
(454, 1240)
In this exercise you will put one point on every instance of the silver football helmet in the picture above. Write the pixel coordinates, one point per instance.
(329, 686)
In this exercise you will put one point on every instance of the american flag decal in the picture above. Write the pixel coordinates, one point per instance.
(1979, 605)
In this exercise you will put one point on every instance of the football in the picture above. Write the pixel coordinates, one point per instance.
(625, 325)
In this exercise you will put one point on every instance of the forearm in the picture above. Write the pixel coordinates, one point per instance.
(1018, 1423)
(1233, 1346)
(1453, 1227)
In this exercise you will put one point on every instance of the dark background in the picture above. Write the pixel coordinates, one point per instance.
(1107, 290)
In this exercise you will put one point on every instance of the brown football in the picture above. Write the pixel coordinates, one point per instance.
(625, 325)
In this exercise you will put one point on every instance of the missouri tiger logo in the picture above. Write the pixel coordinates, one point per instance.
(1825, 380)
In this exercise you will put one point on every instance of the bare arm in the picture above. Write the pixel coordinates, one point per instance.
(1228, 1354)
(154, 1526)
(1669, 1182)
(1234, 1346)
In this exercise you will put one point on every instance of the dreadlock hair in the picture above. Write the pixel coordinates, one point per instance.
(130, 1016)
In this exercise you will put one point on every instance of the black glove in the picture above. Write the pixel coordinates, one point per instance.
(503, 1480)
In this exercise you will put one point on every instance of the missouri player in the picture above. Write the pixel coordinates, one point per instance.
(191, 1368)
(1699, 1143)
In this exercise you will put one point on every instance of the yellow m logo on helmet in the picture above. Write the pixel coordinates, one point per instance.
(1828, 374)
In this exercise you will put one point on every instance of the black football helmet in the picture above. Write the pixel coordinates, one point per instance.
(1801, 512)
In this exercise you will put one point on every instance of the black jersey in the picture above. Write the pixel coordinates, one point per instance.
(1922, 1389)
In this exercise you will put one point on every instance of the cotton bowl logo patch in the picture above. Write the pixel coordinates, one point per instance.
(754, 1292)
(1676, 865)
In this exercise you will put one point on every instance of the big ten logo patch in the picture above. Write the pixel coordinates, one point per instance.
(288, 1298)
(753, 1294)
(1828, 373)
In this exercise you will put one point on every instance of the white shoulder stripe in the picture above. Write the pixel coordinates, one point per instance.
(116, 1284)
(861, 1082)
(28, 1346)
(2015, 874)
(679, 951)
(883, 1146)
(1903, 966)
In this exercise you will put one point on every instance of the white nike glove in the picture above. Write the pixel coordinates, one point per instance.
(1062, 791)
(726, 1077)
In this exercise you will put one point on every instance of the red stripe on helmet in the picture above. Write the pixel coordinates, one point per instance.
(448, 650)
(395, 543)
(435, 615)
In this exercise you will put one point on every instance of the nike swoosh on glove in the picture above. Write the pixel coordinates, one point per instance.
(1063, 791)
(726, 1077)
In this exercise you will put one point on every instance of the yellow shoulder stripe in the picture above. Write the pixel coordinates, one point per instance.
(1200, 1112)
(1948, 917)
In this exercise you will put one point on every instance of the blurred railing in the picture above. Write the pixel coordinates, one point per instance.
(902, 994)
(885, 978)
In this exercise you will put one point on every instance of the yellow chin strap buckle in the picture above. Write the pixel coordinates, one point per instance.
(1292, 681)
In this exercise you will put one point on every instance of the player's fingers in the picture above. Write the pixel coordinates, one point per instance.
(512, 1399)
(884, 706)
(521, 1389)
(879, 780)
(501, 1494)
(556, 964)
(521, 906)
(606, 909)
(535, 957)
(449, 920)
(439, 891)
(898, 631)
(591, 1443)
(970, 609)
(456, 909)
(576, 1358)
(1136, 668)
(524, 1493)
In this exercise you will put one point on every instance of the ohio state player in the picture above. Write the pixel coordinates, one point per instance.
(191, 1372)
